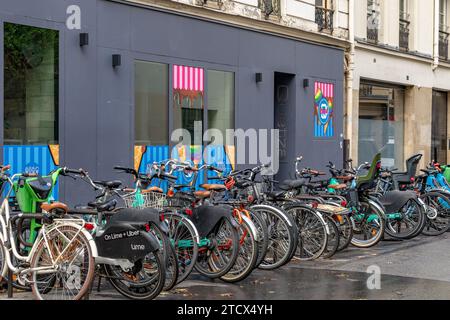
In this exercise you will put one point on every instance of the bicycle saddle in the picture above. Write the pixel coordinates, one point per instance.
(341, 186)
(293, 184)
(55, 206)
(107, 206)
(275, 195)
(113, 184)
(213, 187)
(202, 194)
(103, 206)
(152, 189)
(296, 184)
(345, 178)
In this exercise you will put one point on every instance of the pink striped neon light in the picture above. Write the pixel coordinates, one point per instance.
(175, 77)
(188, 78)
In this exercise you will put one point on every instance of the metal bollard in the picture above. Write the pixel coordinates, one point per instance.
(10, 286)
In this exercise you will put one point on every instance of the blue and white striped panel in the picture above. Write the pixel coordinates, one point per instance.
(216, 156)
(29, 159)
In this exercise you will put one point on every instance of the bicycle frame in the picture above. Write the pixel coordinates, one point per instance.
(7, 238)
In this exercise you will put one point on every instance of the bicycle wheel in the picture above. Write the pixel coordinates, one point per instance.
(247, 255)
(369, 225)
(263, 236)
(3, 269)
(312, 230)
(333, 238)
(143, 282)
(218, 256)
(406, 222)
(282, 237)
(171, 269)
(438, 213)
(169, 258)
(345, 227)
(75, 266)
(184, 237)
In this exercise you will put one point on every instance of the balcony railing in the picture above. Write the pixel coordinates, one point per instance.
(270, 7)
(404, 34)
(324, 18)
(443, 45)
(372, 35)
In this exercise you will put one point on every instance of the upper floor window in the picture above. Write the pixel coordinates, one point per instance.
(404, 21)
(324, 4)
(324, 14)
(404, 10)
(443, 30)
(443, 15)
(373, 20)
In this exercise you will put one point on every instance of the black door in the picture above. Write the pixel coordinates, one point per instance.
(284, 117)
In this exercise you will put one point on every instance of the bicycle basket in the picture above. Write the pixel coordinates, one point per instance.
(154, 200)
(137, 200)
(133, 200)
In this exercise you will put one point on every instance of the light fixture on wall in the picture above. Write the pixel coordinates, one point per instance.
(84, 39)
(258, 77)
(305, 83)
(116, 60)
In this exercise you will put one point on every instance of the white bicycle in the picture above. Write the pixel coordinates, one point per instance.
(60, 264)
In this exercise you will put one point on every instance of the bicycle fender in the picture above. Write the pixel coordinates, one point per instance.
(319, 214)
(252, 227)
(264, 206)
(378, 206)
(86, 233)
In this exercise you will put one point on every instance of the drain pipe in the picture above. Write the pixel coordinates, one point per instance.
(436, 36)
(348, 118)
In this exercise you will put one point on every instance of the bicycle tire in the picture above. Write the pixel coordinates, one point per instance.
(181, 228)
(309, 222)
(135, 291)
(367, 243)
(333, 238)
(346, 232)
(247, 255)
(431, 228)
(392, 224)
(88, 276)
(280, 228)
(263, 235)
(169, 257)
(203, 264)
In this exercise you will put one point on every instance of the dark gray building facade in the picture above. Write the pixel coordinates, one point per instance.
(81, 111)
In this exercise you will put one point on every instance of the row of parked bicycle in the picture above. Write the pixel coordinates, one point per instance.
(151, 237)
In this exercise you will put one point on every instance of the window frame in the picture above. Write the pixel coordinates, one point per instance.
(60, 112)
(169, 68)
(146, 57)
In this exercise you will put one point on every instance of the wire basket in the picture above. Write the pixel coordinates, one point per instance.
(154, 200)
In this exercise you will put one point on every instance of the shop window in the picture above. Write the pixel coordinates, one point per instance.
(31, 58)
(381, 125)
(220, 106)
(151, 103)
(188, 102)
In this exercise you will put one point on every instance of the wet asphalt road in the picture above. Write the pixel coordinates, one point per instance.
(413, 269)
